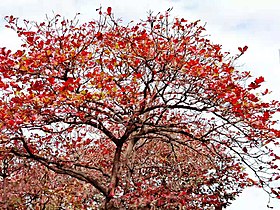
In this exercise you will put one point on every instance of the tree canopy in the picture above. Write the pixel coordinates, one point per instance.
(139, 116)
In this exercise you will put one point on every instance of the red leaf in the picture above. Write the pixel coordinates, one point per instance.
(259, 80)
(242, 50)
(253, 98)
(109, 10)
(138, 75)
(88, 141)
(253, 85)
(41, 44)
(11, 122)
(274, 192)
(99, 36)
(51, 80)
(266, 116)
(245, 149)
(265, 92)
(19, 53)
(30, 39)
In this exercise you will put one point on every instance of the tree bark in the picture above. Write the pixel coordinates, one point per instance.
(114, 176)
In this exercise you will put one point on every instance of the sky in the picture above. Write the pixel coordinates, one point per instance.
(231, 23)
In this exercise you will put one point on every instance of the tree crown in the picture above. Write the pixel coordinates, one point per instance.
(147, 114)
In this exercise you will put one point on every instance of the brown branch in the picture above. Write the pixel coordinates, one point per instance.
(93, 168)
(176, 106)
(115, 171)
(59, 168)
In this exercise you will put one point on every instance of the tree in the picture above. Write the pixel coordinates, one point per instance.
(147, 115)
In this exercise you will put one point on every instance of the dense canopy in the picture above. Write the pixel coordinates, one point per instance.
(145, 115)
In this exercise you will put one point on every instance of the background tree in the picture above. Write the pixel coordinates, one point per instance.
(145, 115)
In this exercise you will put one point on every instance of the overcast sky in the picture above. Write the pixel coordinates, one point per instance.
(232, 23)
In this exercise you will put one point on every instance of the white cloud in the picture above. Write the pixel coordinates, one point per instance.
(253, 198)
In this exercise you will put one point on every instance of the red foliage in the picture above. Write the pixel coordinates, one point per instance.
(109, 11)
(151, 115)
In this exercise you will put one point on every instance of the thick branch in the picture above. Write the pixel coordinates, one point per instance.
(115, 171)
